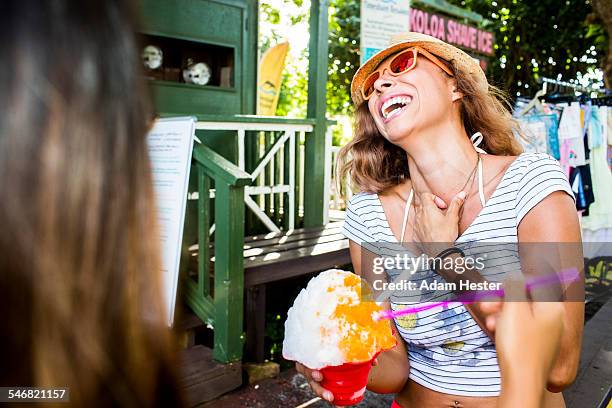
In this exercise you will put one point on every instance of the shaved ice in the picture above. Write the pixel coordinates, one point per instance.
(330, 324)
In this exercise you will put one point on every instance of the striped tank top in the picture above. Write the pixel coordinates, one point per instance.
(447, 350)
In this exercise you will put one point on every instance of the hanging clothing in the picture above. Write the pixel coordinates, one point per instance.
(582, 186)
(570, 133)
(596, 127)
(580, 137)
(564, 154)
(544, 130)
(534, 136)
(600, 213)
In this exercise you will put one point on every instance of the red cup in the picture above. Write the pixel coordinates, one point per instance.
(347, 381)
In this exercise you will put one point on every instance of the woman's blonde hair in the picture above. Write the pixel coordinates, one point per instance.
(374, 164)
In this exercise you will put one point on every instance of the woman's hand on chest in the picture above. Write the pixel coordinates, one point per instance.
(433, 224)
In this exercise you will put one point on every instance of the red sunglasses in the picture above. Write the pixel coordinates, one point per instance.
(401, 63)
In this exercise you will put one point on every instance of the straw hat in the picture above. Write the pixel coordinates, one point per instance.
(439, 48)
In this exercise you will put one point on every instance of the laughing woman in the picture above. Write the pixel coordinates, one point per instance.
(435, 160)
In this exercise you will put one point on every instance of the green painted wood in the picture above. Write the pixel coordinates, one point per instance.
(250, 56)
(219, 167)
(229, 272)
(314, 162)
(226, 23)
(224, 311)
(202, 306)
(223, 142)
(176, 98)
(203, 232)
(190, 229)
(211, 21)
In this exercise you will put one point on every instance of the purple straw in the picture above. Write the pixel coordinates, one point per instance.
(567, 276)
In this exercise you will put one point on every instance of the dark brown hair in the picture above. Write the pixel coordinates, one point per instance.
(79, 257)
(374, 164)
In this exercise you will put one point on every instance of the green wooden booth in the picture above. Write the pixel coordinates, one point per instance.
(278, 163)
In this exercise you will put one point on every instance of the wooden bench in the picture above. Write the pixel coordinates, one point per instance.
(277, 256)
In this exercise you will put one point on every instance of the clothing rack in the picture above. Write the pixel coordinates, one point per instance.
(557, 97)
(544, 81)
(601, 101)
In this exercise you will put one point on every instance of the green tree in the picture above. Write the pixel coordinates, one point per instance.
(601, 28)
(343, 54)
(279, 20)
(544, 38)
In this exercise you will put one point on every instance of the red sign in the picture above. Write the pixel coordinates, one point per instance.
(451, 31)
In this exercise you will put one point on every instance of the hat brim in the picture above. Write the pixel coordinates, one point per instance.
(461, 60)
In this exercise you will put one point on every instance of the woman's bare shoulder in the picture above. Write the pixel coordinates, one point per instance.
(502, 161)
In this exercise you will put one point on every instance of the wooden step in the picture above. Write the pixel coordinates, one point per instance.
(204, 379)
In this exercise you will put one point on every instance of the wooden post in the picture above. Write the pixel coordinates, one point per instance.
(256, 322)
(229, 272)
(314, 162)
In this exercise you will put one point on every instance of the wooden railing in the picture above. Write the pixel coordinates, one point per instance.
(220, 306)
(269, 150)
(269, 177)
(274, 152)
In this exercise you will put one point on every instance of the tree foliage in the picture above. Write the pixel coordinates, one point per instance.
(344, 40)
(601, 27)
(287, 20)
(560, 39)
(544, 38)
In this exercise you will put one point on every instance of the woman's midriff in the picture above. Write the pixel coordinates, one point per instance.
(416, 396)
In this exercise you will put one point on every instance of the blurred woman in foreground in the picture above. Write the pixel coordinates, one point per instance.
(79, 259)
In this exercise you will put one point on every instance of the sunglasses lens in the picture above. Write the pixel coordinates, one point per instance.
(402, 62)
(368, 85)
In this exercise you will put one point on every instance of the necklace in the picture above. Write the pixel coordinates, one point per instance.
(470, 177)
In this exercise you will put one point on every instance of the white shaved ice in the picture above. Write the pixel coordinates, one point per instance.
(311, 334)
